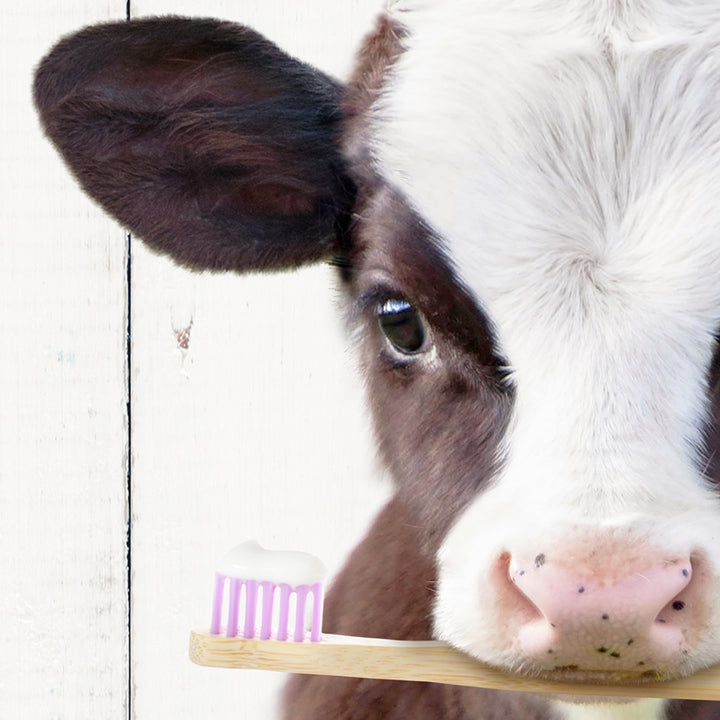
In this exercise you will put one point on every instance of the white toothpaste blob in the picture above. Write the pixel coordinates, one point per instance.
(251, 560)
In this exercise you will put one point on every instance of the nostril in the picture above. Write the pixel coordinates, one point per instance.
(514, 600)
(677, 610)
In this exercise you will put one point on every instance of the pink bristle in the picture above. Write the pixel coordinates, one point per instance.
(268, 595)
(233, 607)
(217, 604)
(318, 599)
(301, 596)
(250, 608)
(285, 591)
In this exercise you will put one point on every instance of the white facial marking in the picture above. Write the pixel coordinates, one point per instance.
(568, 155)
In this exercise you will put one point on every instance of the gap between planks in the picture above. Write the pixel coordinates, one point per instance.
(420, 661)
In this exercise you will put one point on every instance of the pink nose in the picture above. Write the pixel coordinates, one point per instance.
(580, 616)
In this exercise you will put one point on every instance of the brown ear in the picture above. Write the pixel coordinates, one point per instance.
(203, 138)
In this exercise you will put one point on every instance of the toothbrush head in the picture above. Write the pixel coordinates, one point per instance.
(277, 583)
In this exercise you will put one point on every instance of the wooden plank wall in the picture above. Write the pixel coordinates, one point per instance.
(246, 414)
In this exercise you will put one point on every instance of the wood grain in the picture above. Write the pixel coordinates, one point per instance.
(430, 661)
(63, 445)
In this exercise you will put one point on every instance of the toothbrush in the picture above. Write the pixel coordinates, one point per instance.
(286, 580)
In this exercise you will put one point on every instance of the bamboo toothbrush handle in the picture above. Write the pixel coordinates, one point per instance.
(427, 661)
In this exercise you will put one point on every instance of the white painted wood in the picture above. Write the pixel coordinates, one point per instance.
(63, 597)
(256, 429)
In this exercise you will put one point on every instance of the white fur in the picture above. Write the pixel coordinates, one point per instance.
(568, 156)
(631, 711)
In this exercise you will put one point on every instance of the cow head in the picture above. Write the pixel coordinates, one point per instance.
(521, 202)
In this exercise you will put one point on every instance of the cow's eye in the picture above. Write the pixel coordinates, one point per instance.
(402, 325)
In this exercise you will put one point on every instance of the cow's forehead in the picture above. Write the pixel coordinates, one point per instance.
(568, 154)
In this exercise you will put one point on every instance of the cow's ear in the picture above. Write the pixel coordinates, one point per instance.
(203, 138)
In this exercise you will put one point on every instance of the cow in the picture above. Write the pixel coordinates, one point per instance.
(520, 199)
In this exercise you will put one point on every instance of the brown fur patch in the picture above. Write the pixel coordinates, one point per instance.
(438, 423)
(375, 59)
